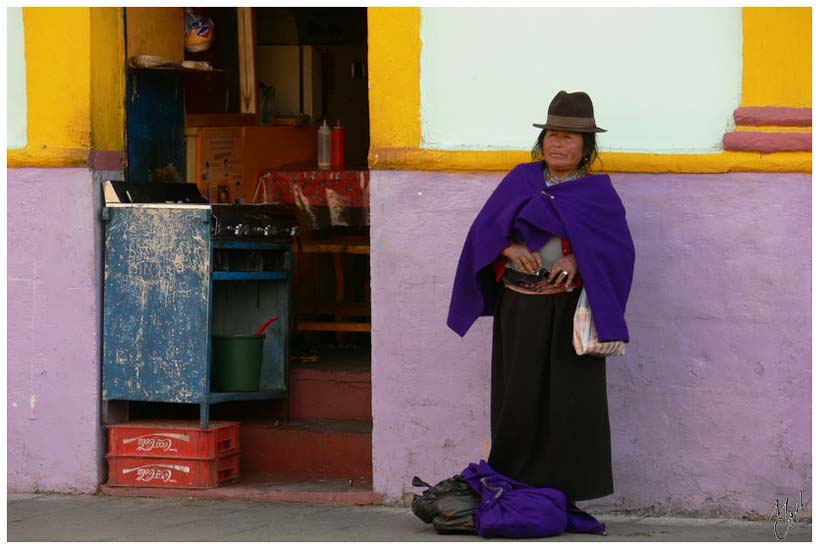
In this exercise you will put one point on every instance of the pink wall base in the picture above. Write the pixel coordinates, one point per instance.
(710, 408)
(54, 333)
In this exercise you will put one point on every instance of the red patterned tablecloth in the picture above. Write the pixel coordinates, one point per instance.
(324, 197)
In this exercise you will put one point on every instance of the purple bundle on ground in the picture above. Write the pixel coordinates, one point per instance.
(511, 509)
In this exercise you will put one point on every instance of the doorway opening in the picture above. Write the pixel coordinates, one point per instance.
(264, 104)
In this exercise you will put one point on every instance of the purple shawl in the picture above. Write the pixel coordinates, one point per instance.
(588, 212)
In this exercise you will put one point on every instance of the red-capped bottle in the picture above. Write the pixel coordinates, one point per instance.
(337, 147)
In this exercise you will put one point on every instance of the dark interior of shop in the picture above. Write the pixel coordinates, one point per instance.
(242, 119)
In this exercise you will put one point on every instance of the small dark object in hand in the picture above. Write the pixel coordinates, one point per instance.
(514, 276)
(449, 505)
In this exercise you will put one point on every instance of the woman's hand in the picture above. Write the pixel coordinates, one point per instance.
(565, 264)
(522, 258)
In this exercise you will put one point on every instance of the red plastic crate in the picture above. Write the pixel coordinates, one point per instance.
(173, 438)
(146, 471)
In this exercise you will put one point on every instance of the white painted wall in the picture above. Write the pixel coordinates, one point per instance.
(661, 79)
(16, 134)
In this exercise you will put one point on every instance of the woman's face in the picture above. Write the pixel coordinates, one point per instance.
(563, 151)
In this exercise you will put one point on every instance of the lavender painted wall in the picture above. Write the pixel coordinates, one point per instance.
(54, 337)
(710, 409)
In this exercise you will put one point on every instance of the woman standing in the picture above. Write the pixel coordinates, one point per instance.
(548, 224)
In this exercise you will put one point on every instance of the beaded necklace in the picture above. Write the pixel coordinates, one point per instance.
(549, 179)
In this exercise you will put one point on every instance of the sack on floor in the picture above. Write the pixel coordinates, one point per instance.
(449, 505)
(511, 509)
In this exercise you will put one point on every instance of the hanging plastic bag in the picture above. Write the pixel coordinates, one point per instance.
(585, 337)
(199, 30)
(449, 505)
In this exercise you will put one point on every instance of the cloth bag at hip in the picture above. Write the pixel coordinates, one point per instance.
(584, 335)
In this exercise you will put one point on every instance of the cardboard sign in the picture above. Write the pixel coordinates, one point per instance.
(219, 163)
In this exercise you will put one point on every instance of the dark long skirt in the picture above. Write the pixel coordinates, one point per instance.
(549, 412)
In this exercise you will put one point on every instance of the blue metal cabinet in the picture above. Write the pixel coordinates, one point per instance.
(168, 287)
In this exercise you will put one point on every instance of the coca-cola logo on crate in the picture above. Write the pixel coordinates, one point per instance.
(157, 442)
(157, 472)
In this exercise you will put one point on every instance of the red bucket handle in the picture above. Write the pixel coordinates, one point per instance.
(261, 330)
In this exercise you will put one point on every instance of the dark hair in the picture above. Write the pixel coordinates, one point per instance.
(590, 149)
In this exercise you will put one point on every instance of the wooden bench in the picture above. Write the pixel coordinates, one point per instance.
(340, 308)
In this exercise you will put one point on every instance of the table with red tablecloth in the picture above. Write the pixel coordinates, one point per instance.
(324, 198)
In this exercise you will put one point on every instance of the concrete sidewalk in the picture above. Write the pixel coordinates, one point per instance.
(58, 517)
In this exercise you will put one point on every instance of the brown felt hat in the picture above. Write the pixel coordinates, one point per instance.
(571, 112)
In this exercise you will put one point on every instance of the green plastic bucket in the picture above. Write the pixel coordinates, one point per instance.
(236, 362)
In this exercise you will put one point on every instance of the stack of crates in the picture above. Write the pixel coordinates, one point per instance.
(174, 454)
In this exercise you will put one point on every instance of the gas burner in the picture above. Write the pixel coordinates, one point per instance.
(254, 222)
(259, 222)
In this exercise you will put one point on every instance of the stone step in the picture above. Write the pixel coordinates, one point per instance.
(323, 448)
(319, 392)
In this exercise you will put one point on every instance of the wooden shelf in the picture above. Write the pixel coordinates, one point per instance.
(332, 326)
(204, 120)
(131, 68)
(324, 247)
(357, 309)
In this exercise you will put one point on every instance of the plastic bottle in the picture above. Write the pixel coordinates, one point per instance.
(337, 147)
(324, 146)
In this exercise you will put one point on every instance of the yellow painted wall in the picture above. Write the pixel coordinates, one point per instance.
(58, 49)
(72, 107)
(777, 57)
(107, 80)
(393, 66)
(394, 53)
